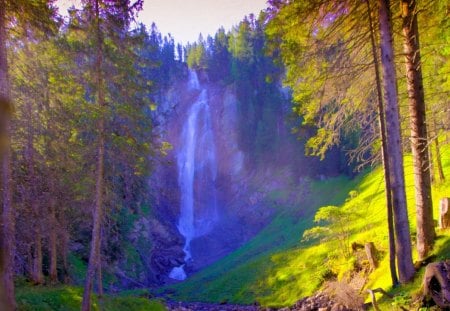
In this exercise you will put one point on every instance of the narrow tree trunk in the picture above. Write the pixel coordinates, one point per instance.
(94, 260)
(419, 144)
(394, 147)
(100, 280)
(384, 152)
(64, 251)
(52, 200)
(431, 166)
(7, 234)
(99, 269)
(438, 152)
(439, 160)
(36, 274)
(53, 273)
(38, 277)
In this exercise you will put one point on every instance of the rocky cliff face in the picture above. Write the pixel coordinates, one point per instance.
(244, 188)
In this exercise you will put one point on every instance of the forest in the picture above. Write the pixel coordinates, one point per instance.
(297, 161)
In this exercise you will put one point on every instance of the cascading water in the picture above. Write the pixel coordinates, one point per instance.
(197, 170)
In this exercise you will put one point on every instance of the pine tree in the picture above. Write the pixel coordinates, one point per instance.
(394, 147)
(418, 126)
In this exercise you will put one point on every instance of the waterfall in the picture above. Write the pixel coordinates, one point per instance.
(197, 170)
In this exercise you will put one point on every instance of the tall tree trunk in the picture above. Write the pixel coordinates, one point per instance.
(53, 273)
(36, 269)
(438, 159)
(384, 152)
(419, 143)
(100, 279)
(52, 200)
(64, 251)
(438, 150)
(38, 277)
(94, 260)
(394, 147)
(431, 166)
(7, 234)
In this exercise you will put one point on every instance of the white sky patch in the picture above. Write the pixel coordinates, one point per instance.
(186, 19)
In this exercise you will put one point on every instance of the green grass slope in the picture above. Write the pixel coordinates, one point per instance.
(237, 277)
(276, 268)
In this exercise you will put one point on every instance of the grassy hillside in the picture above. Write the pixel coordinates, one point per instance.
(276, 268)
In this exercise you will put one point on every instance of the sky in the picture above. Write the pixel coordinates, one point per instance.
(186, 19)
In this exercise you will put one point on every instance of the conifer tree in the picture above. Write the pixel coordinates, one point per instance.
(418, 127)
(394, 146)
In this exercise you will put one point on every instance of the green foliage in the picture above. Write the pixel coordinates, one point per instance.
(401, 300)
(77, 269)
(338, 221)
(59, 298)
(131, 304)
(196, 54)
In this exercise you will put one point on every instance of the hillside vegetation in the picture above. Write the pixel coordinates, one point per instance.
(277, 268)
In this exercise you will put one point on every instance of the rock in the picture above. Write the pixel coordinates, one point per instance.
(337, 307)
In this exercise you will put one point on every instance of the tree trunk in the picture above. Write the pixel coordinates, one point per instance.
(94, 260)
(438, 158)
(384, 155)
(394, 147)
(431, 166)
(32, 193)
(100, 279)
(419, 141)
(53, 273)
(38, 277)
(7, 234)
(64, 251)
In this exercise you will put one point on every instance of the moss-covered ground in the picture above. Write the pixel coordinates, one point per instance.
(68, 298)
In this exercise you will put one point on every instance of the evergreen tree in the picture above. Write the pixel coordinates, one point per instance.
(24, 12)
(419, 136)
